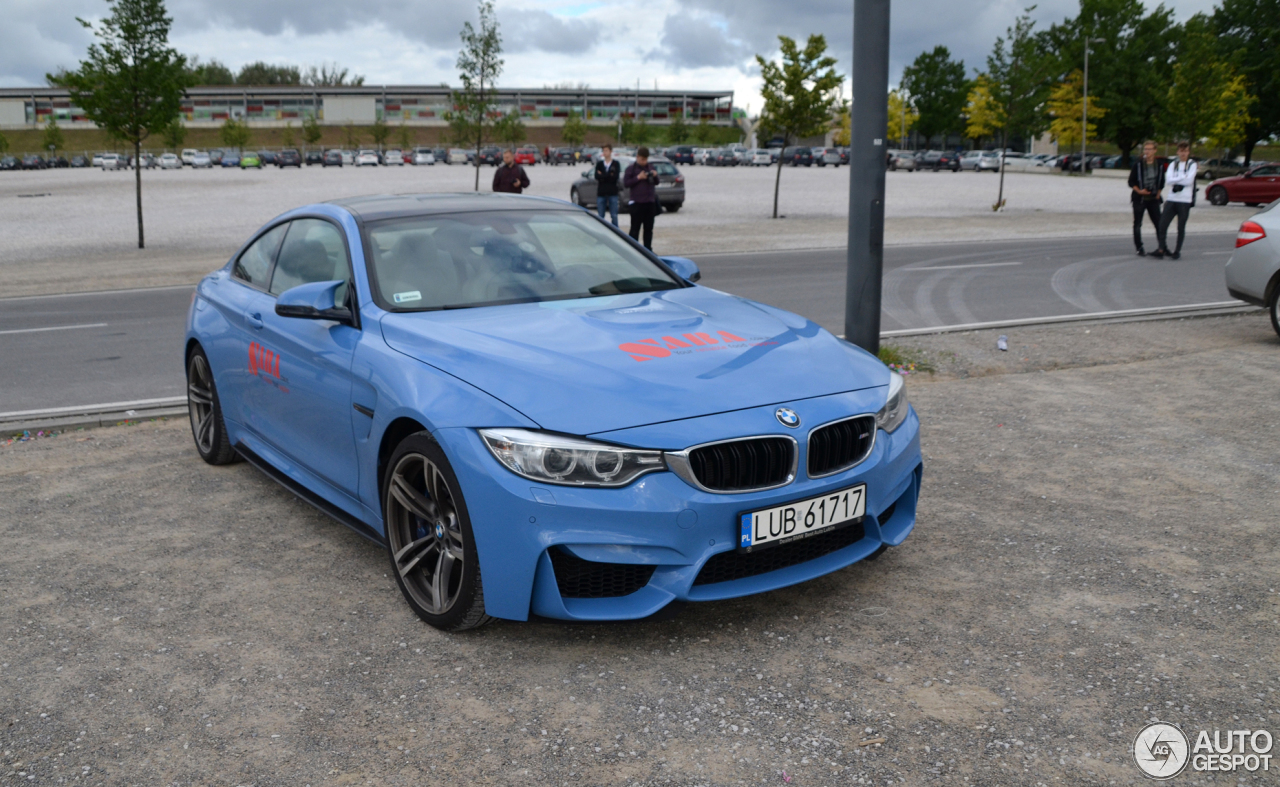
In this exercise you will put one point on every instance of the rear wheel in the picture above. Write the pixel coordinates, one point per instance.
(1218, 195)
(207, 425)
(429, 537)
(1275, 310)
(574, 197)
(673, 207)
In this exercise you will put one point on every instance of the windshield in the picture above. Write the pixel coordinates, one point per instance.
(462, 260)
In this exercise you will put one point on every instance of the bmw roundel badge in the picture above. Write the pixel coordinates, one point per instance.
(787, 417)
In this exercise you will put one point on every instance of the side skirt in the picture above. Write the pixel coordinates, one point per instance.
(307, 496)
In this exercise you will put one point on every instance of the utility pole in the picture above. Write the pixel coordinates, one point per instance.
(869, 124)
(1084, 119)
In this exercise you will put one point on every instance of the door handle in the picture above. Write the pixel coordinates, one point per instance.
(255, 319)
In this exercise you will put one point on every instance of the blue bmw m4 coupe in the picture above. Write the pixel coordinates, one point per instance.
(536, 416)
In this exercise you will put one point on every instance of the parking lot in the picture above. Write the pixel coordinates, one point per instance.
(87, 233)
(1095, 548)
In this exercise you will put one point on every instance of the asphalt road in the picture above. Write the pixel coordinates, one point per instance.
(91, 348)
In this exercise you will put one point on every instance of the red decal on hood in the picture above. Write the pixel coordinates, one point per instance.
(649, 349)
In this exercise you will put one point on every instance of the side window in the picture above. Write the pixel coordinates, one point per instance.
(313, 251)
(254, 265)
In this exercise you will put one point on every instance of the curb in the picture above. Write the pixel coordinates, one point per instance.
(1123, 315)
(93, 415)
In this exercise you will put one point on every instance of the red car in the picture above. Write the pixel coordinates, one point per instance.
(1258, 186)
(527, 156)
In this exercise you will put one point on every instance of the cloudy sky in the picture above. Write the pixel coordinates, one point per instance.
(707, 44)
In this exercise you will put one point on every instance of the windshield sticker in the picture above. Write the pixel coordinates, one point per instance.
(405, 297)
(687, 343)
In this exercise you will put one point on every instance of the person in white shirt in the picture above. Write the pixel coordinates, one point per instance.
(1181, 180)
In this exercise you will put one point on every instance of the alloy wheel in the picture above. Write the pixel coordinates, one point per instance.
(200, 403)
(425, 534)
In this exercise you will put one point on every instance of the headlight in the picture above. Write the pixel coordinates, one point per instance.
(895, 409)
(570, 461)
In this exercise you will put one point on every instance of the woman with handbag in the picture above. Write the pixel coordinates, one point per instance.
(1181, 179)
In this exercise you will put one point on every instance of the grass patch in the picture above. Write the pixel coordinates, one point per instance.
(905, 360)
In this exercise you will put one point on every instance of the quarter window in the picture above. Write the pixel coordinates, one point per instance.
(254, 265)
(313, 251)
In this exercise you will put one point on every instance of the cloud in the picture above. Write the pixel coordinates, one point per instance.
(534, 29)
(695, 41)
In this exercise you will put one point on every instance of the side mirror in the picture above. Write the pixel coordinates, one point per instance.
(685, 268)
(314, 301)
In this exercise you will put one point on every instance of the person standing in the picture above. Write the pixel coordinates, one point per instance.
(1181, 177)
(608, 172)
(642, 179)
(1146, 180)
(510, 177)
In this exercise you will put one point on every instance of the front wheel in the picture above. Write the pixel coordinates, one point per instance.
(1218, 196)
(429, 537)
(207, 424)
(1275, 310)
(575, 197)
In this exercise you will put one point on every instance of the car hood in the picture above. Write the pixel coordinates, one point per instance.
(601, 364)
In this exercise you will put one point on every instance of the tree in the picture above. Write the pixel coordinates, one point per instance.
(53, 139)
(330, 76)
(174, 133)
(799, 94)
(479, 67)
(1207, 94)
(843, 128)
(311, 131)
(902, 116)
(404, 136)
(1019, 74)
(1248, 32)
(4, 143)
(678, 130)
(510, 129)
(380, 132)
(132, 83)
(261, 73)
(351, 135)
(286, 136)
(1066, 111)
(234, 133)
(635, 131)
(938, 90)
(702, 133)
(211, 73)
(986, 116)
(574, 131)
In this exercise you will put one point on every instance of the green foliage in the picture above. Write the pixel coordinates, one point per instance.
(843, 128)
(635, 131)
(799, 94)
(1248, 34)
(330, 75)
(286, 136)
(938, 90)
(510, 129)
(479, 66)
(52, 138)
(703, 133)
(1020, 72)
(211, 73)
(677, 130)
(904, 360)
(1207, 96)
(574, 130)
(234, 133)
(380, 132)
(1066, 111)
(351, 136)
(4, 143)
(174, 133)
(261, 73)
(311, 131)
(985, 114)
(902, 116)
(131, 82)
(404, 135)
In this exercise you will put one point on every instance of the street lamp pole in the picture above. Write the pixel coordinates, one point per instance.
(1084, 115)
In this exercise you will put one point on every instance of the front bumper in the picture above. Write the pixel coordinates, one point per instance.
(654, 538)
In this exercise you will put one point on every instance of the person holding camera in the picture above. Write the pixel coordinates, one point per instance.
(642, 178)
(1146, 181)
(1181, 177)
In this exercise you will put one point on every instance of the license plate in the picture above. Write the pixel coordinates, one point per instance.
(666, 185)
(801, 519)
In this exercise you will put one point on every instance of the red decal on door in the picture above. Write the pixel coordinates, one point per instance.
(263, 360)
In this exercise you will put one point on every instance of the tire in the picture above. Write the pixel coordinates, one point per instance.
(1218, 196)
(208, 428)
(1275, 310)
(673, 207)
(429, 538)
(575, 197)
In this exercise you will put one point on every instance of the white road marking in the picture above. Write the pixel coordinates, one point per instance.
(958, 267)
(108, 407)
(1214, 253)
(975, 326)
(56, 328)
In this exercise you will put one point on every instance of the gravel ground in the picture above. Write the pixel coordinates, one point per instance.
(1096, 548)
(76, 229)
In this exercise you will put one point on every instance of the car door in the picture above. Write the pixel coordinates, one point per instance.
(588, 188)
(303, 367)
(1266, 184)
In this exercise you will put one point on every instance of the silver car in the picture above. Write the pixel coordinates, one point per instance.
(670, 189)
(902, 159)
(1253, 272)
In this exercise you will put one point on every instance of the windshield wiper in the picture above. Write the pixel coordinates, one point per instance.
(635, 284)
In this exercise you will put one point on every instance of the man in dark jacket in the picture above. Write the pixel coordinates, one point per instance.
(607, 174)
(642, 179)
(1146, 179)
(510, 177)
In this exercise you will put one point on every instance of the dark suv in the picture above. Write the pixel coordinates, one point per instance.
(680, 154)
(940, 159)
(798, 156)
(491, 156)
(332, 159)
(315, 157)
(288, 158)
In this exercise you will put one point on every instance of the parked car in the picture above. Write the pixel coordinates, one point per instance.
(759, 158)
(491, 156)
(215, 156)
(288, 158)
(423, 157)
(421, 410)
(366, 158)
(97, 160)
(314, 157)
(981, 161)
(266, 157)
(393, 158)
(348, 158)
(526, 156)
(112, 161)
(332, 158)
(680, 154)
(797, 156)
(201, 160)
(1253, 272)
(902, 159)
(457, 156)
(9, 163)
(702, 155)
(170, 161)
(230, 159)
(1216, 168)
(940, 159)
(188, 156)
(79, 162)
(670, 188)
(826, 157)
(1258, 186)
(250, 160)
(844, 156)
(441, 155)
(32, 161)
